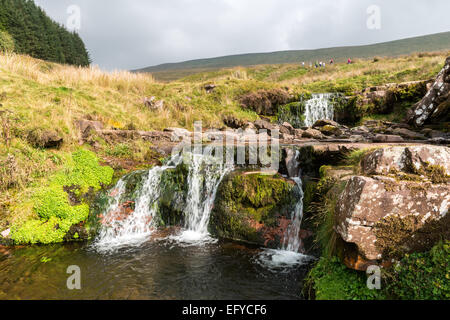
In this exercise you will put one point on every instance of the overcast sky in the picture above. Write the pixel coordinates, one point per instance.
(131, 34)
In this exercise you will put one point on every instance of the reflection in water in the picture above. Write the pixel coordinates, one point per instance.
(156, 270)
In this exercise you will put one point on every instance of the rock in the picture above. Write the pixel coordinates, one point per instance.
(209, 88)
(153, 104)
(178, 133)
(312, 133)
(287, 137)
(358, 138)
(382, 99)
(384, 218)
(47, 139)
(86, 125)
(405, 159)
(325, 122)
(426, 132)
(234, 123)
(330, 130)
(5, 233)
(263, 125)
(387, 138)
(436, 134)
(254, 208)
(360, 130)
(298, 133)
(284, 130)
(436, 102)
(289, 127)
(408, 134)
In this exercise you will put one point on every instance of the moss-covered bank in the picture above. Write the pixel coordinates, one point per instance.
(64, 202)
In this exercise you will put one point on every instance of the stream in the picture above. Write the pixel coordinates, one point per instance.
(134, 258)
(157, 269)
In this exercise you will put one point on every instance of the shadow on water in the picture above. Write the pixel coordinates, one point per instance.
(154, 270)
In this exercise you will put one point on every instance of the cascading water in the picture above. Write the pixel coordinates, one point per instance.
(288, 255)
(205, 175)
(136, 227)
(319, 107)
(292, 240)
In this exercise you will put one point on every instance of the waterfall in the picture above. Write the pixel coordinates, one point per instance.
(292, 240)
(137, 226)
(204, 176)
(319, 107)
(288, 254)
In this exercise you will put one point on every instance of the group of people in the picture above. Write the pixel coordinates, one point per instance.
(321, 64)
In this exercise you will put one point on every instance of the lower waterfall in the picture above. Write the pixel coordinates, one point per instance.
(204, 177)
(136, 227)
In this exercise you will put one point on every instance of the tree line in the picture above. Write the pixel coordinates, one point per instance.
(27, 28)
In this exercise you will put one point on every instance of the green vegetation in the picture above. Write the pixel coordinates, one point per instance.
(246, 200)
(64, 201)
(6, 41)
(269, 64)
(332, 280)
(421, 276)
(27, 29)
(418, 276)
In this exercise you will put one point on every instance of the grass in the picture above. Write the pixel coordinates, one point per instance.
(434, 42)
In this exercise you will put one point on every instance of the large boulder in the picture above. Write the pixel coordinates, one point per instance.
(414, 159)
(254, 208)
(435, 106)
(384, 217)
(398, 204)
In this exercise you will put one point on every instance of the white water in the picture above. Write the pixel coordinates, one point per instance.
(205, 175)
(136, 227)
(288, 256)
(318, 108)
(292, 240)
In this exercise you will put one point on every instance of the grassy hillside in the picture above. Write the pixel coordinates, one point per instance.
(36, 95)
(173, 71)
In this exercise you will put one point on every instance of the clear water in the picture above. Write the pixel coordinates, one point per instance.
(156, 269)
(132, 259)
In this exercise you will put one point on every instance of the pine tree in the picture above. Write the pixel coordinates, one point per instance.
(35, 34)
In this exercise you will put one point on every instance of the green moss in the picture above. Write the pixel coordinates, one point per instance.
(245, 201)
(418, 276)
(421, 276)
(82, 174)
(332, 280)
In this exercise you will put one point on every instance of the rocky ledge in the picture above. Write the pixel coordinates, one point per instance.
(397, 203)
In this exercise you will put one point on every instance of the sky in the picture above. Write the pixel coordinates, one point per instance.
(133, 34)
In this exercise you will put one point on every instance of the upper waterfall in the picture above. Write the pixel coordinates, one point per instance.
(319, 107)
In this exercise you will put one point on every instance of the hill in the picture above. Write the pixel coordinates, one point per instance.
(25, 28)
(173, 71)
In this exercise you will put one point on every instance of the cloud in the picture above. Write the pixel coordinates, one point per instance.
(138, 33)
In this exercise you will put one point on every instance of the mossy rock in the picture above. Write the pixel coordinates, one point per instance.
(248, 207)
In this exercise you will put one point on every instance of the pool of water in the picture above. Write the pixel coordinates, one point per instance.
(161, 269)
